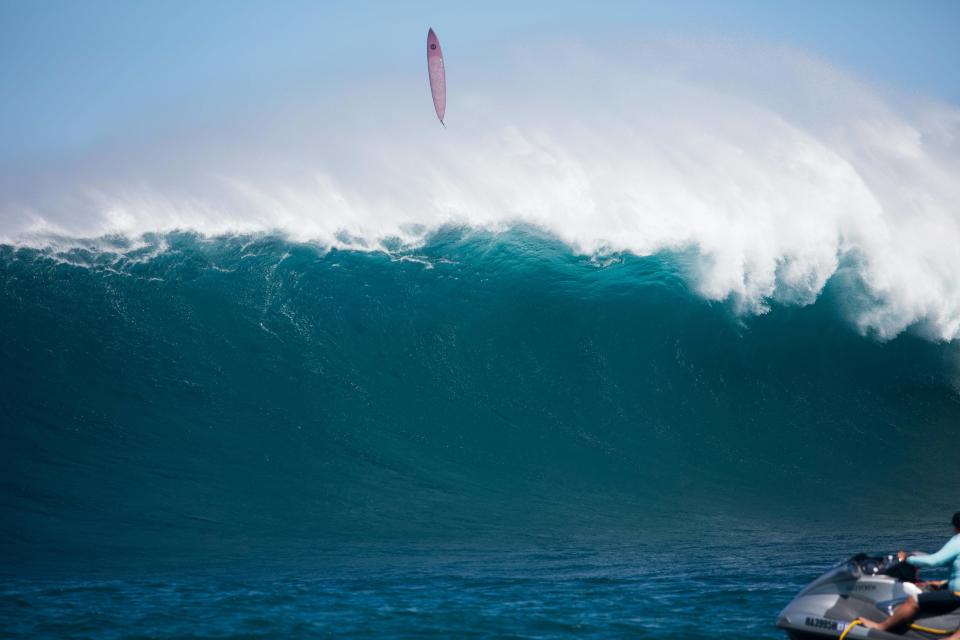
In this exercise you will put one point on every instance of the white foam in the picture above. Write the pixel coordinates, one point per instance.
(774, 167)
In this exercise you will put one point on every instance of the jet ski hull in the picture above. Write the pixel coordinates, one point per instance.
(860, 587)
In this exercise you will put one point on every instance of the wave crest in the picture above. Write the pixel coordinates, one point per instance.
(774, 170)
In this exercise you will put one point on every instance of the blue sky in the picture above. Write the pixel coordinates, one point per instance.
(75, 75)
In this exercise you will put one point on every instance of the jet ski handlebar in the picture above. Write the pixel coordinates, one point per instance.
(888, 565)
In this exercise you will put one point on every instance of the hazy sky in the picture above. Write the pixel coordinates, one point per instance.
(74, 75)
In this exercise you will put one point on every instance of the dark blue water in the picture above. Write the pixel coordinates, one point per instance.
(485, 436)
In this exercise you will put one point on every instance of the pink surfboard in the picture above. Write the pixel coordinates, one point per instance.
(438, 77)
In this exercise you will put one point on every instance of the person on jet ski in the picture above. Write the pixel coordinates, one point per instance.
(945, 597)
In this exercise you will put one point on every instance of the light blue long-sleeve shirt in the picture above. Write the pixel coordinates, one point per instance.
(948, 555)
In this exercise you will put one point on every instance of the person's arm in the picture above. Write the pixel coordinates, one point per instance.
(941, 558)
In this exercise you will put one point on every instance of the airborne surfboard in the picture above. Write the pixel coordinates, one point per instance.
(438, 76)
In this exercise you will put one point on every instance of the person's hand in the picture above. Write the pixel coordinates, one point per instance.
(929, 585)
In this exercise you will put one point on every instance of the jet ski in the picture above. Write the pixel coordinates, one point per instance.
(863, 586)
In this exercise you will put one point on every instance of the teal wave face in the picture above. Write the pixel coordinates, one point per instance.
(215, 397)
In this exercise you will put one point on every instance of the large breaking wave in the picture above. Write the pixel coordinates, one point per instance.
(190, 397)
(628, 287)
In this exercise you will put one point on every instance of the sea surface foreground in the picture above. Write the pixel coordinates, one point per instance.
(720, 589)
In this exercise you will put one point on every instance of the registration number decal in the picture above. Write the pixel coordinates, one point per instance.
(820, 623)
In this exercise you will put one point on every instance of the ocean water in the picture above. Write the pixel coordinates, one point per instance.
(553, 589)
(485, 434)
